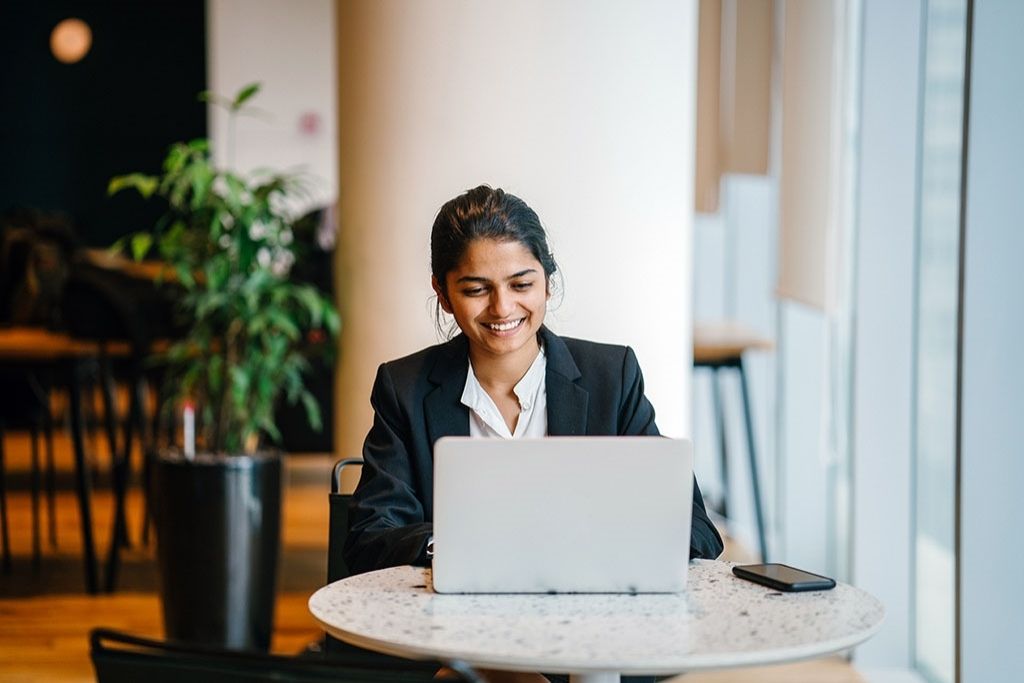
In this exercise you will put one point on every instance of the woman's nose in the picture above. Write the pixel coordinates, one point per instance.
(502, 304)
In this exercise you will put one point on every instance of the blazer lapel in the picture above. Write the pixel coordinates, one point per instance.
(567, 401)
(442, 406)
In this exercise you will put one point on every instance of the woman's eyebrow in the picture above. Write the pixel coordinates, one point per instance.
(478, 278)
(521, 273)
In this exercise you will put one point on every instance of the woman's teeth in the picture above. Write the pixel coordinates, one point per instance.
(505, 327)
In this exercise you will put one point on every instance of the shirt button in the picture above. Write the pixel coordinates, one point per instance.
(525, 405)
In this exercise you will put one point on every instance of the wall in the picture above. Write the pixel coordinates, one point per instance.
(66, 129)
(584, 109)
(291, 124)
(289, 47)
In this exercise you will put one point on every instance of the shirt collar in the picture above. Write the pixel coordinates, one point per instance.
(476, 399)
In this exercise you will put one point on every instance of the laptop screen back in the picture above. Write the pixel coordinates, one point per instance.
(562, 514)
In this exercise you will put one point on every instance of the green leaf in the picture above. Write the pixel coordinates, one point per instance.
(210, 96)
(240, 382)
(185, 275)
(285, 324)
(312, 411)
(331, 321)
(313, 304)
(202, 180)
(244, 94)
(236, 193)
(141, 243)
(145, 184)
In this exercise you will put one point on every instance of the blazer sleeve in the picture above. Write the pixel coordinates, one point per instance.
(636, 418)
(387, 526)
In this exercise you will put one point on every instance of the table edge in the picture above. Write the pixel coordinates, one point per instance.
(704, 662)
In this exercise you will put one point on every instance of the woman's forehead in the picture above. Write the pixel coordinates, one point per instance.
(493, 258)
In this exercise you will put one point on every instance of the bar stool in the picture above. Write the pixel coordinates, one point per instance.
(722, 345)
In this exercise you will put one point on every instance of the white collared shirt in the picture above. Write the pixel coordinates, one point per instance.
(485, 419)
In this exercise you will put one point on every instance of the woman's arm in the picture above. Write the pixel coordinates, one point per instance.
(387, 526)
(636, 417)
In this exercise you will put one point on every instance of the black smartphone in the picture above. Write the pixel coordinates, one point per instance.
(782, 577)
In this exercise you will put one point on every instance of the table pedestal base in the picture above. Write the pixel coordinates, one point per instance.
(595, 677)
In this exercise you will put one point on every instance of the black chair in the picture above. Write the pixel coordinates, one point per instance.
(337, 569)
(25, 403)
(122, 658)
(111, 308)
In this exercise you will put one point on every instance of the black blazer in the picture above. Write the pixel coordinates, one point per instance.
(592, 389)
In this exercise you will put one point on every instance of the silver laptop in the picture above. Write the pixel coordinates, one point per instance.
(562, 514)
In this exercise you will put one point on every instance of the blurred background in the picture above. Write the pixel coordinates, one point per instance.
(803, 215)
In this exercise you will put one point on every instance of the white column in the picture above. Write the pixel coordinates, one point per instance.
(582, 108)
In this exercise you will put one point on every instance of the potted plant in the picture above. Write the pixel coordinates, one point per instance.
(227, 241)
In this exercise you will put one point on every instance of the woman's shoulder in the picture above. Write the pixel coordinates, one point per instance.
(420, 364)
(591, 356)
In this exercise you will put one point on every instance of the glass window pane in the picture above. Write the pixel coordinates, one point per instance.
(938, 267)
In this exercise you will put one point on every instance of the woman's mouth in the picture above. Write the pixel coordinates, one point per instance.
(503, 327)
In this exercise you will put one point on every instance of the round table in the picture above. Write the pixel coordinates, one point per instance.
(719, 621)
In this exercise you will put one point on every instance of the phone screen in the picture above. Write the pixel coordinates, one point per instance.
(783, 577)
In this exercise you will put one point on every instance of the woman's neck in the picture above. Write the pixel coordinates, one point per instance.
(503, 372)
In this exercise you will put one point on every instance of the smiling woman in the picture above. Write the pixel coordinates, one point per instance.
(491, 270)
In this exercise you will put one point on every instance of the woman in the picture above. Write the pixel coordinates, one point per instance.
(505, 375)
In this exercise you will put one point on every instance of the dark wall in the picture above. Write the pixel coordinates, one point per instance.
(65, 129)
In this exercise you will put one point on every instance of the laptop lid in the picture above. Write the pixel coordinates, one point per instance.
(562, 514)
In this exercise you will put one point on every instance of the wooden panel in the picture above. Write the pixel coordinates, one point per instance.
(708, 170)
(807, 200)
(746, 79)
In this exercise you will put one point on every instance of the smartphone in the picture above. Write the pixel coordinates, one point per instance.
(783, 577)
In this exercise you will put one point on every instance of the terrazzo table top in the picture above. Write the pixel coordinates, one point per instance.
(719, 621)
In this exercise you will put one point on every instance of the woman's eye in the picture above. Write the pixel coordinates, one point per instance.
(474, 291)
(520, 286)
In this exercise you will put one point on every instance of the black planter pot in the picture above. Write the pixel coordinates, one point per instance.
(218, 526)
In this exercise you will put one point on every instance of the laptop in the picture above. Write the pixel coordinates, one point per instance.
(562, 515)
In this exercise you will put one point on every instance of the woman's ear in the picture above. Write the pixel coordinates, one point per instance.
(441, 298)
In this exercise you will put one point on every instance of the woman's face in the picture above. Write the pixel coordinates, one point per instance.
(498, 295)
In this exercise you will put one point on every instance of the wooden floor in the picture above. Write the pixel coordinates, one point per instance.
(45, 616)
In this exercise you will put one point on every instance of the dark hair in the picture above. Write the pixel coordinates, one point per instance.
(485, 213)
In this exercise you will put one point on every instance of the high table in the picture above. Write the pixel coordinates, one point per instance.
(720, 621)
(26, 347)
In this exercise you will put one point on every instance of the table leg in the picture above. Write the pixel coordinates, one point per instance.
(752, 454)
(723, 444)
(121, 471)
(82, 478)
(595, 677)
(35, 487)
(5, 540)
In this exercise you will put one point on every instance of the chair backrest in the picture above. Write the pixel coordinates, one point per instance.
(338, 525)
(122, 658)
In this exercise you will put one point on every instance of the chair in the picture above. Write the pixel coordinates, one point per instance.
(337, 568)
(26, 403)
(123, 658)
(118, 311)
(717, 347)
